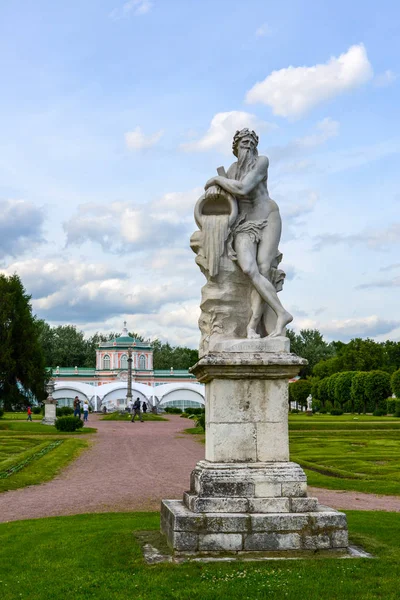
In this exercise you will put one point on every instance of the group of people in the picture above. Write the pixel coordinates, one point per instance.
(137, 408)
(78, 409)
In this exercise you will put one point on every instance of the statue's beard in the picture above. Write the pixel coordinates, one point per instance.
(246, 161)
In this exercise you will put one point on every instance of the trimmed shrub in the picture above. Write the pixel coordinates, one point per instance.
(357, 392)
(64, 411)
(377, 389)
(379, 412)
(331, 386)
(336, 411)
(300, 390)
(315, 387)
(391, 406)
(342, 390)
(68, 423)
(322, 410)
(37, 410)
(194, 411)
(1, 412)
(295, 411)
(173, 410)
(395, 383)
(328, 406)
(323, 391)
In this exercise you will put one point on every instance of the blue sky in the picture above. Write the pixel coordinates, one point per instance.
(114, 114)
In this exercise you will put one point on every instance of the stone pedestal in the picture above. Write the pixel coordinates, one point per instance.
(50, 405)
(49, 412)
(246, 495)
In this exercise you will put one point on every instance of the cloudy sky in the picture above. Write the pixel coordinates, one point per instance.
(114, 114)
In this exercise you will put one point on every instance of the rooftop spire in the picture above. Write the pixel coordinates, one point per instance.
(125, 331)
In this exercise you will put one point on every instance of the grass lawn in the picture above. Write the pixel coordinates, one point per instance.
(96, 556)
(342, 453)
(116, 416)
(21, 416)
(39, 428)
(30, 460)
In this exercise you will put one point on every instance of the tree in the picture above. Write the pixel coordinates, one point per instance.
(357, 391)
(299, 391)
(166, 356)
(22, 366)
(361, 355)
(377, 389)
(326, 368)
(323, 395)
(395, 383)
(309, 344)
(343, 383)
(331, 386)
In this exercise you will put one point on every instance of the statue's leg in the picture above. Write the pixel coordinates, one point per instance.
(266, 255)
(247, 260)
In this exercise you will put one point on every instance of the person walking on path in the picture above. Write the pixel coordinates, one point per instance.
(77, 407)
(144, 407)
(29, 411)
(136, 410)
(85, 411)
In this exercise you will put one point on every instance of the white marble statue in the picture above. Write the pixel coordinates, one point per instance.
(240, 229)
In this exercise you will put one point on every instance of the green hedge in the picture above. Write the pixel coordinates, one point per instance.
(64, 411)
(395, 383)
(68, 423)
(172, 410)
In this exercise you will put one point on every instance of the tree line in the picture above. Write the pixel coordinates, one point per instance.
(29, 345)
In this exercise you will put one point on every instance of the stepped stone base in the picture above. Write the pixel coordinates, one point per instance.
(189, 532)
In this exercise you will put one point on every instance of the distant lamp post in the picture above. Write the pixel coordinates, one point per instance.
(50, 404)
(129, 391)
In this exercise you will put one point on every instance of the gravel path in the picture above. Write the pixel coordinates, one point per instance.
(131, 467)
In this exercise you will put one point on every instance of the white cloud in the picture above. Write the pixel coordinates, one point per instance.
(21, 225)
(377, 239)
(222, 129)
(324, 131)
(135, 7)
(385, 79)
(293, 91)
(137, 140)
(371, 326)
(263, 30)
(45, 276)
(125, 227)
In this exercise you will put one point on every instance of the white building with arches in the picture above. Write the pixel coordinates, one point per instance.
(112, 396)
(112, 366)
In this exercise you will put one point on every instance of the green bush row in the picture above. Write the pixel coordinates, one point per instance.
(357, 391)
(64, 411)
(172, 410)
(68, 423)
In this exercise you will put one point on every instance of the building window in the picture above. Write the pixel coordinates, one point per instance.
(106, 362)
(124, 361)
(142, 362)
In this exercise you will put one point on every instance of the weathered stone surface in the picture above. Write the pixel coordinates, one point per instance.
(272, 441)
(227, 442)
(223, 542)
(269, 505)
(272, 541)
(278, 522)
(247, 400)
(303, 504)
(232, 532)
(266, 344)
(316, 542)
(266, 489)
(216, 505)
(340, 539)
(294, 489)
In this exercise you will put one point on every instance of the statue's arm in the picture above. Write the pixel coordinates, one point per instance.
(248, 183)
